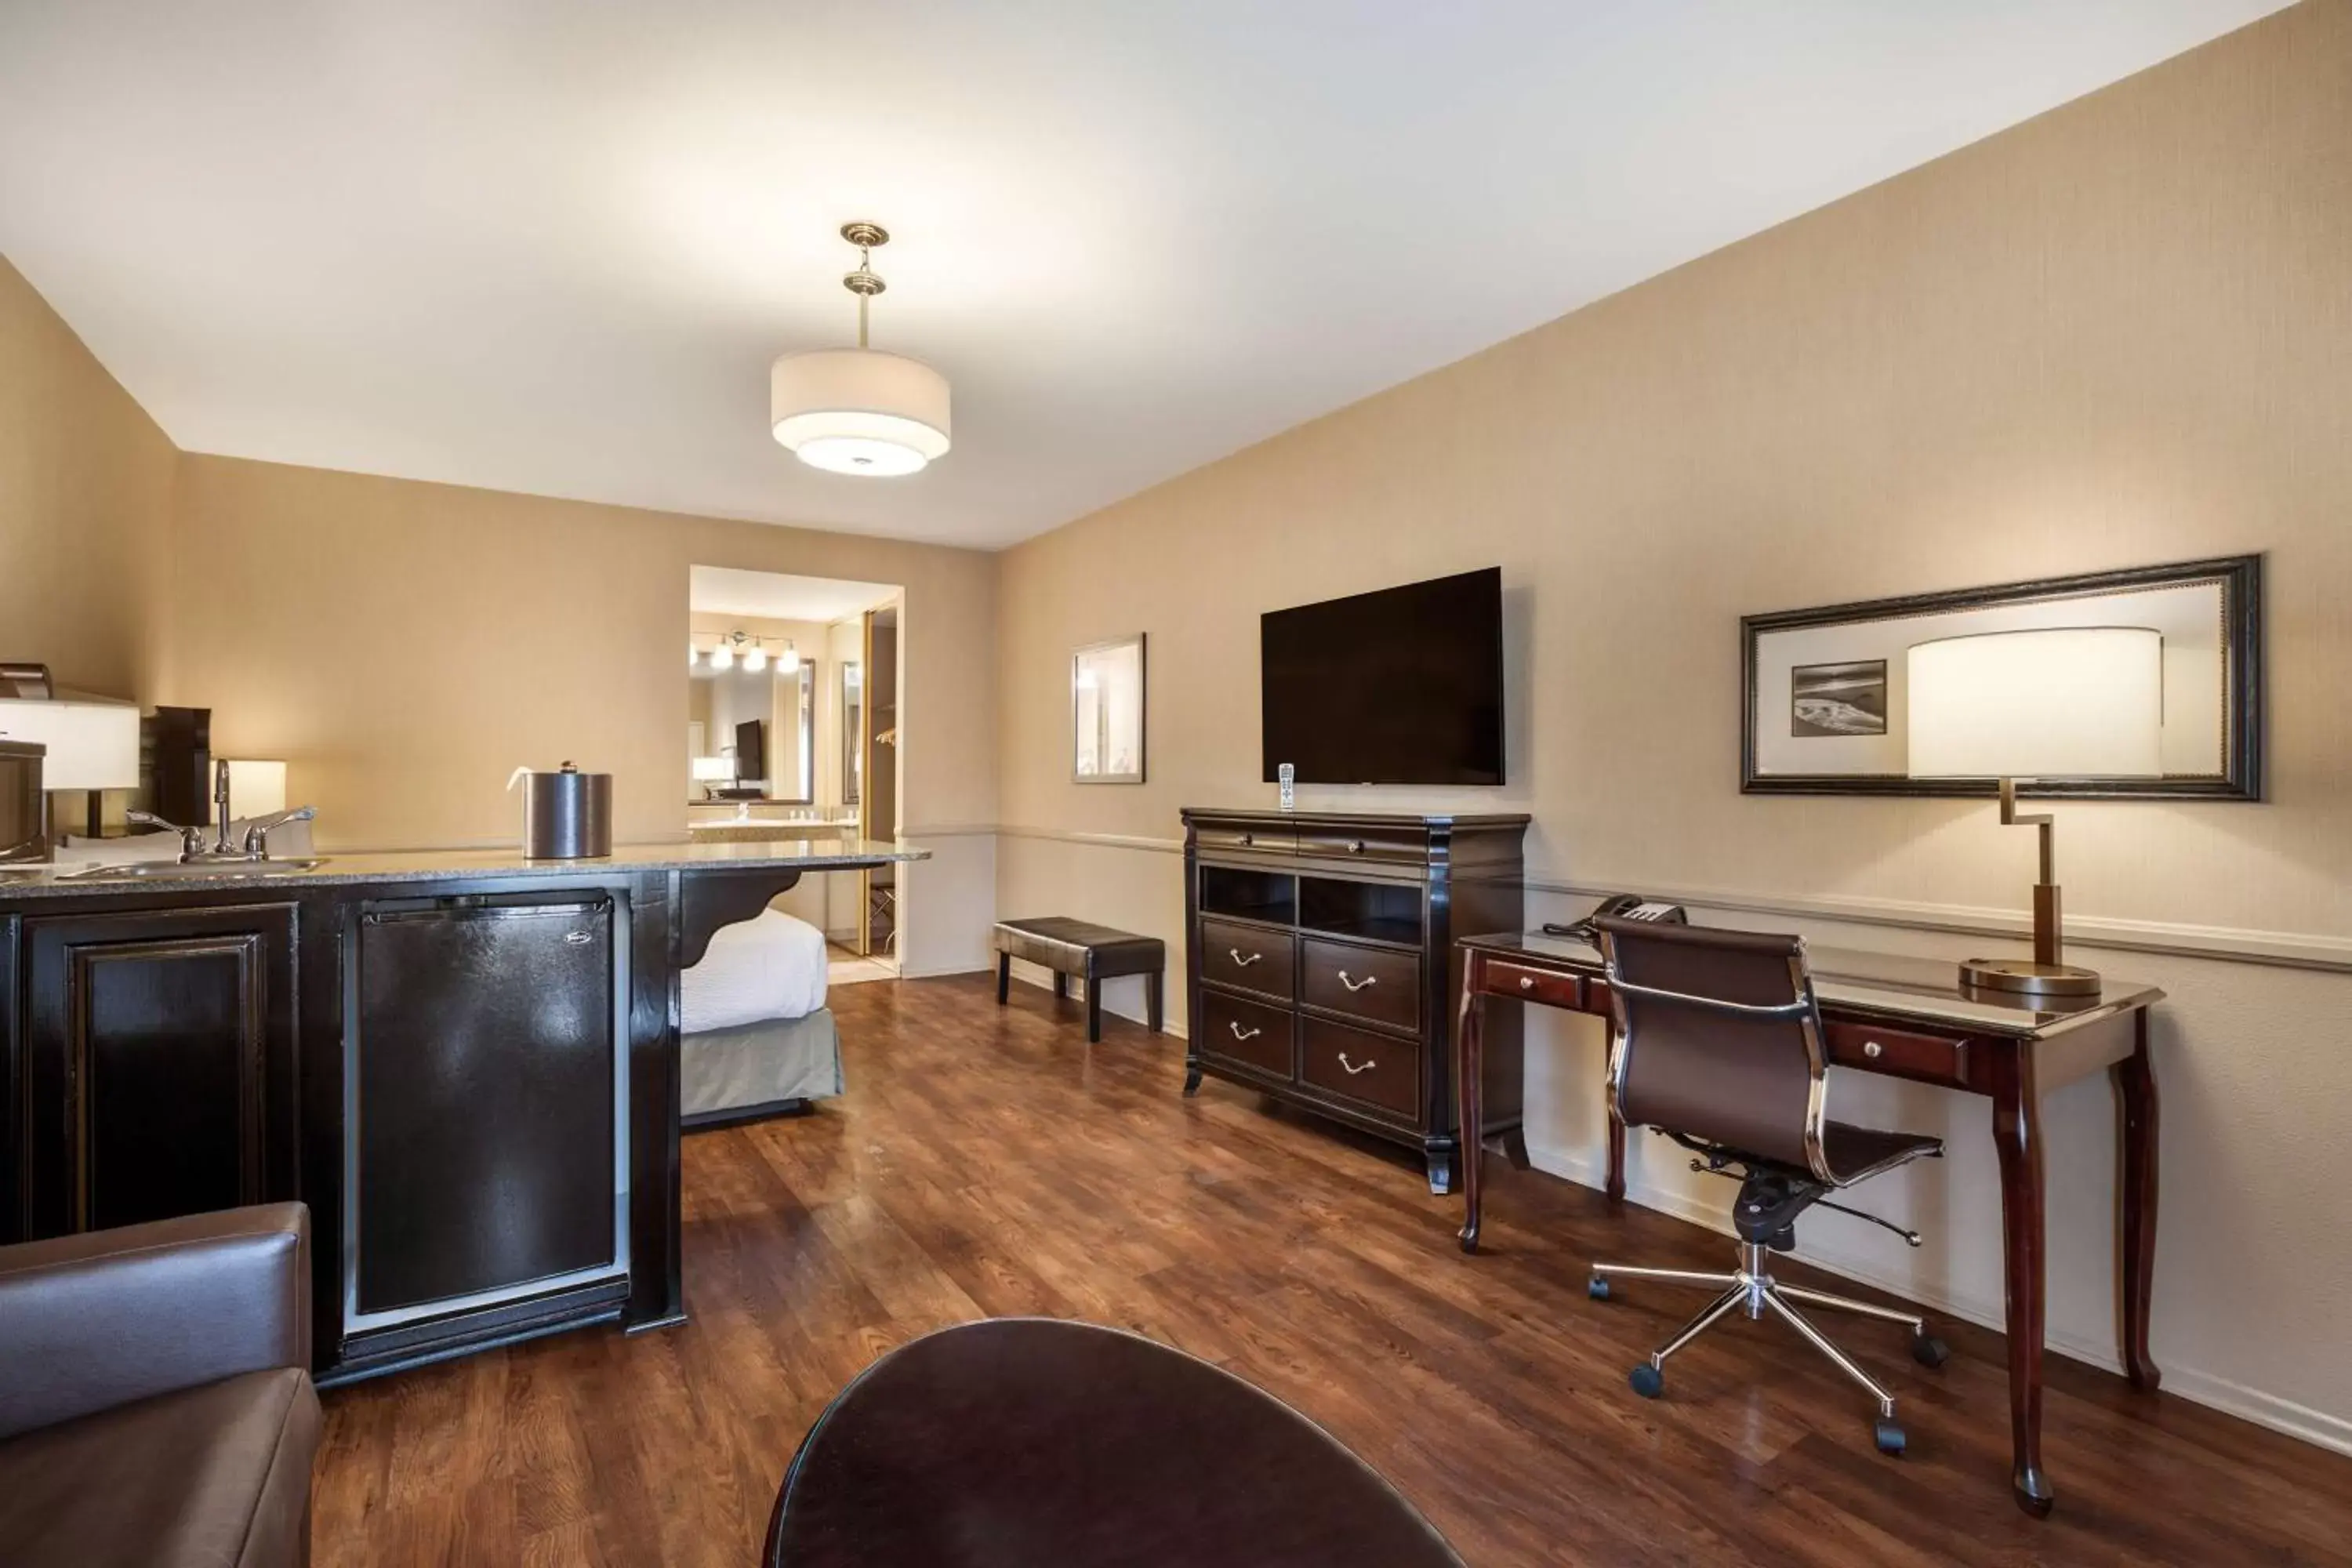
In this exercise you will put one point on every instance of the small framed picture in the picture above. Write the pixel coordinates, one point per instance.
(1106, 712)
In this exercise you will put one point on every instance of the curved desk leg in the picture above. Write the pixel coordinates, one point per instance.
(2136, 1085)
(2017, 1135)
(1469, 1096)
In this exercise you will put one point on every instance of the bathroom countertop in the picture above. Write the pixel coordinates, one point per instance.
(829, 853)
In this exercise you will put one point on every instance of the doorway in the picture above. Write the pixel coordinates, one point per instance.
(792, 716)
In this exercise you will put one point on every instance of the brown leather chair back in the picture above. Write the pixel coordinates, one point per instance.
(1719, 1038)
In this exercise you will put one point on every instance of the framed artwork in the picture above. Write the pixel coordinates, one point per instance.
(1822, 690)
(1106, 712)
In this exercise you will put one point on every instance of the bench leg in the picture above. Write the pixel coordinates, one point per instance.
(1004, 977)
(1094, 1010)
(1061, 986)
(1151, 996)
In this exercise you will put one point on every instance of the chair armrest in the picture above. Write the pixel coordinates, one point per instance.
(112, 1316)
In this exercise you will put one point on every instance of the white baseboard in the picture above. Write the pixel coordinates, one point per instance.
(2254, 1405)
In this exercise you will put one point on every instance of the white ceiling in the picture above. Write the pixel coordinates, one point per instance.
(780, 596)
(551, 246)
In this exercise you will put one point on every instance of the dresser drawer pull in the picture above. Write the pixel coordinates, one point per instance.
(1247, 839)
(1354, 985)
(1873, 1049)
(1241, 1034)
(578, 938)
(1353, 1068)
(1526, 981)
(1244, 960)
(1355, 846)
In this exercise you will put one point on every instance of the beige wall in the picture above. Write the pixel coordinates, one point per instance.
(85, 499)
(2117, 335)
(406, 645)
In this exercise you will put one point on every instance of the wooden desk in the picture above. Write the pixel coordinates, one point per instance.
(1909, 1017)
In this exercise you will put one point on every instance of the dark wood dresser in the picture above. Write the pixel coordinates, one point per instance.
(1319, 964)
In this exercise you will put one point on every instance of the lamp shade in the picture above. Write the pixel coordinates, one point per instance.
(858, 411)
(93, 744)
(714, 770)
(257, 788)
(2059, 703)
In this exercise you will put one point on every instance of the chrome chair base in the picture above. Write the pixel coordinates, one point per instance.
(1752, 1289)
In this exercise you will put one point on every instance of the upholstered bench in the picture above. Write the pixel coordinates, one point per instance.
(1094, 953)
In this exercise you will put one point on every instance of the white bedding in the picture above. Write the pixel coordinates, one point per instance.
(771, 966)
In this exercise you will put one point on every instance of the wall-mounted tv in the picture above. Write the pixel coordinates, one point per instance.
(1402, 686)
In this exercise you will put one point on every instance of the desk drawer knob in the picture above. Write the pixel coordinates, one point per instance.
(1355, 986)
(1244, 960)
(1353, 1068)
(1873, 1049)
(1355, 846)
(1241, 1034)
(1247, 839)
(1526, 981)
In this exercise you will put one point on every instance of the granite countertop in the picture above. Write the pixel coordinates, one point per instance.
(821, 854)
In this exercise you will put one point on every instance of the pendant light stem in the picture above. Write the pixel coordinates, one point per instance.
(863, 300)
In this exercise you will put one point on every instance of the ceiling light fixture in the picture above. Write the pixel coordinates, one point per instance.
(860, 411)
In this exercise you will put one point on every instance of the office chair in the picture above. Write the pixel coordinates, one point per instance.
(1718, 1047)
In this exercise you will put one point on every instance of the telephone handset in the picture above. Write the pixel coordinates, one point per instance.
(1620, 906)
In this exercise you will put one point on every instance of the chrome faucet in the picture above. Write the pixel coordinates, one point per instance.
(191, 840)
(258, 831)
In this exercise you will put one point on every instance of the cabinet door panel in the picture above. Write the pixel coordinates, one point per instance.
(150, 1042)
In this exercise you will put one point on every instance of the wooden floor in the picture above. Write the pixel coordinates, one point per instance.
(989, 1163)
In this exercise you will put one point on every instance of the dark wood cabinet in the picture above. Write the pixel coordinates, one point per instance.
(156, 1062)
(1320, 967)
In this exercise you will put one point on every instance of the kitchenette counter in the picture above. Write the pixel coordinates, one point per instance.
(465, 1062)
(829, 851)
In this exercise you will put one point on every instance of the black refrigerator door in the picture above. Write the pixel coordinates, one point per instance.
(484, 1080)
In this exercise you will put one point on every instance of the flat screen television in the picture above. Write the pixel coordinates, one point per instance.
(1402, 686)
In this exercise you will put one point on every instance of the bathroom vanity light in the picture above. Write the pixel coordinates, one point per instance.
(860, 411)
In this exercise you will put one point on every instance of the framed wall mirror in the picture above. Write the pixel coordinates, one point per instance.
(756, 729)
(1106, 712)
(1827, 712)
(852, 726)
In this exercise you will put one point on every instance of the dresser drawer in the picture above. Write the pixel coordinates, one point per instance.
(1378, 1071)
(1246, 956)
(1251, 1033)
(1931, 1059)
(1542, 986)
(1246, 840)
(1386, 846)
(1369, 982)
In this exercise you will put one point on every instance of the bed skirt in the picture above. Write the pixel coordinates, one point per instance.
(774, 1067)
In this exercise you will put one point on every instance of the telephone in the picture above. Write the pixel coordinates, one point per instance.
(1622, 906)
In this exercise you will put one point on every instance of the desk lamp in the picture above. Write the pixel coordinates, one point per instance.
(93, 744)
(2063, 702)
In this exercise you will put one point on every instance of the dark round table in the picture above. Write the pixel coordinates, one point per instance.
(1035, 1443)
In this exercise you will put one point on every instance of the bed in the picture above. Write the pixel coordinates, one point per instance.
(755, 1037)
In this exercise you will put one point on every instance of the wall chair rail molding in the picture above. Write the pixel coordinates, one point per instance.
(1822, 704)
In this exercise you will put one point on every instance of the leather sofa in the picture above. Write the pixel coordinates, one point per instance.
(155, 1398)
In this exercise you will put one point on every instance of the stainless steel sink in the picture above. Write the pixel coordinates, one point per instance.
(195, 870)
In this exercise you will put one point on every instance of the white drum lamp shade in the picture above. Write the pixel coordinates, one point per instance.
(858, 411)
(714, 770)
(91, 745)
(257, 788)
(2061, 702)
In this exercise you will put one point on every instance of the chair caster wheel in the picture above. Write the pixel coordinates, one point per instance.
(1890, 1439)
(1647, 1381)
(1597, 1288)
(1928, 1350)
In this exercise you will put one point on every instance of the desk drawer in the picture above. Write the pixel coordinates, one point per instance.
(1874, 1047)
(1542, 986)
(1375, 1069)
(1374, 983)
(1389, 845)
(1246, 840)
(1247, 957)
(1250, 1032)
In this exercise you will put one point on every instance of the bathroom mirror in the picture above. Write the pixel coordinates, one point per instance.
(751, 735)
(853, 715)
